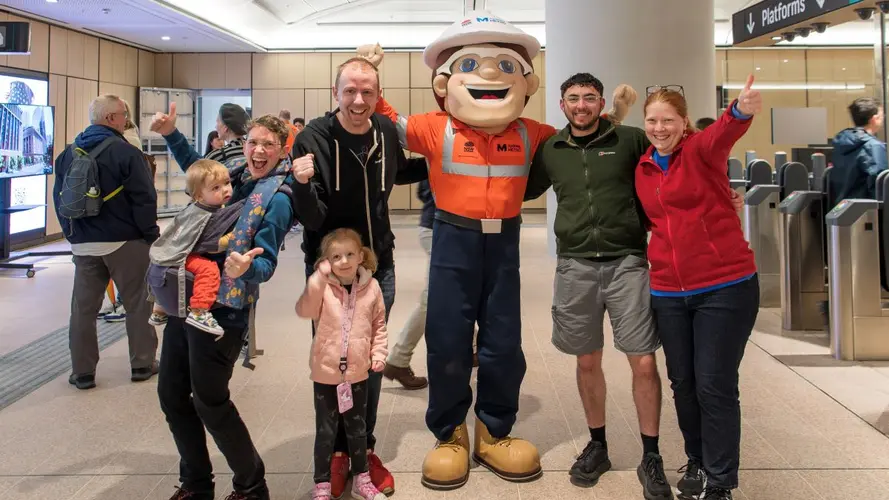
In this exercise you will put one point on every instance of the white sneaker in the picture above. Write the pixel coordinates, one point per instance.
(107, 307)
(206, 322)
(117, 315)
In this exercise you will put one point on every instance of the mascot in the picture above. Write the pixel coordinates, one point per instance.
(479, 154)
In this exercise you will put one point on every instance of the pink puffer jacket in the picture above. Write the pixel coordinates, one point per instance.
(325, 301)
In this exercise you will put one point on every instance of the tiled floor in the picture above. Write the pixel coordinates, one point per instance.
(809, 422)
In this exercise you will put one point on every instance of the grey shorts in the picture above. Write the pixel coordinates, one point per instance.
(584, 290)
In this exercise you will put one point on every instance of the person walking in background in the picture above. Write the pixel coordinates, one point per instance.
(858, 156)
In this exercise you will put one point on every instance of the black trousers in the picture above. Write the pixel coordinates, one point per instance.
(704, 337)
(327, 421)
(193, 378)
(386, 278)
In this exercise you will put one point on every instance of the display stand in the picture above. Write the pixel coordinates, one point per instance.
(7, 262)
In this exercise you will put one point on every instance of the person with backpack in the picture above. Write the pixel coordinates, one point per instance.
(106, 204)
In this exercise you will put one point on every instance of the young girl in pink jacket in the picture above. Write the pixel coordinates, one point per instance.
(346, 303)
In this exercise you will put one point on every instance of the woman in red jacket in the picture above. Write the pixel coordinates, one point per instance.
(705, 292)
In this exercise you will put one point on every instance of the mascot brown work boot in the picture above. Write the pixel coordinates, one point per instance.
(446, 466)
(510, 458)
(405, 377)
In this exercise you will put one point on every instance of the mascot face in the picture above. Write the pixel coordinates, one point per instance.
(485, 86)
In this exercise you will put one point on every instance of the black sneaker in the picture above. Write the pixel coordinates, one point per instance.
(260, 495)
(83, 381)
(692, 483)
(716, 494)
(651, 475)
(143, 374)
(592, 463)
(183, 494)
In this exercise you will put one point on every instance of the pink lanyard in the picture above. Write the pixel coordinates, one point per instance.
(348, 311)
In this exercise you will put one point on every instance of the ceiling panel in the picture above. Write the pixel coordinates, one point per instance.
(249, 25)
(140, 22)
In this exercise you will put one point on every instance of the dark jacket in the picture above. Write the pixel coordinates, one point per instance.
(424, 193)
(129, 215)
(321, 204)
(186, 155)
(598, 214)
(858, 157)
(696, 236)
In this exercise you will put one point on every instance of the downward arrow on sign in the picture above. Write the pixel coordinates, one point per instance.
(820, 3)
(751, 25)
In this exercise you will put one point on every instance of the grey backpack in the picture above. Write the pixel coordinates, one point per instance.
(81, 194)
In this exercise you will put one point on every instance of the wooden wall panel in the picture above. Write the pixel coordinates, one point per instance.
(265, 71)
(293, 100)
(147, 62)
(58, 50)
(163, 70)
(131, 67)
(39, 59)
(186, 71)
(291, 71)
(265, 101)
(80, 95)
(58, 92)
(106, 61)
(75, 54)
(211, 71)
(317, 72)
(395, 71)
(119, 64)
(91, 58)
(238, 71)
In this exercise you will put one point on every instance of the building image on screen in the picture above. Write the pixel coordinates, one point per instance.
(26, 140)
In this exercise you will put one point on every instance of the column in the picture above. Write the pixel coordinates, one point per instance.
(637, 42)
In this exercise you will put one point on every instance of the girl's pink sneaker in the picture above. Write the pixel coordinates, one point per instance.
(321, 492)
(364, 489)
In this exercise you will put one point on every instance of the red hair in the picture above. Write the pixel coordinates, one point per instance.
(675, 100)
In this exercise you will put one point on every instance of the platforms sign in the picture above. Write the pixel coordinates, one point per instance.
(770, 16)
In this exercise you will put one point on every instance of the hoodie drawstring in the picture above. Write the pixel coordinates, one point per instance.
(336, 152)
(383, 154)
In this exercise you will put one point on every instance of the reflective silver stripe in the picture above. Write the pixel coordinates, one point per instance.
(484, 170)
(449, 166)
(401, 127)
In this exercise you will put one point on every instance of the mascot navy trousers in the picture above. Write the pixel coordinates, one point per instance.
(474, 278)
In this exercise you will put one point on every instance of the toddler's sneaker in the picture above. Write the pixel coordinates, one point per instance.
(157, 319)
(363, 488)
(321, 492)
(204, 321)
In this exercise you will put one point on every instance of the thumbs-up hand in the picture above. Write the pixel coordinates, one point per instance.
(749, 101)
(373, 53)
(237, 264)
(304, 168)
(164, 124)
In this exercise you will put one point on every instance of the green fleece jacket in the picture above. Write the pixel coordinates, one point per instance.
(598, 214)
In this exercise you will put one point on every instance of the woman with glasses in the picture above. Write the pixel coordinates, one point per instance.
(705, 292)
(195, 368)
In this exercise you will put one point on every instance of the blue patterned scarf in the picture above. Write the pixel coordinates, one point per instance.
(235, 292)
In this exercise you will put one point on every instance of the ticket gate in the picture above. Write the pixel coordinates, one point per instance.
(858, 233)
(802, 256)
(760, 221)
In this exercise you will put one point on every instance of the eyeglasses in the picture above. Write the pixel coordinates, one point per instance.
(265, 144)
(657, 88)
(589, 99)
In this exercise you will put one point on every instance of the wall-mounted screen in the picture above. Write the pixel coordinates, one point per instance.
(25, 87)
(26, 140)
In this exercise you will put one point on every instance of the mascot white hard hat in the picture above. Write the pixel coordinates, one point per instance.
(479, 27)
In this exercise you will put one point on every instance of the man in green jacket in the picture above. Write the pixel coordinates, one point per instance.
(601, 238)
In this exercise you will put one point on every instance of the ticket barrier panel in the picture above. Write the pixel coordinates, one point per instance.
(802, 260)
(761, 229)
(736, 181)
(859, 321)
